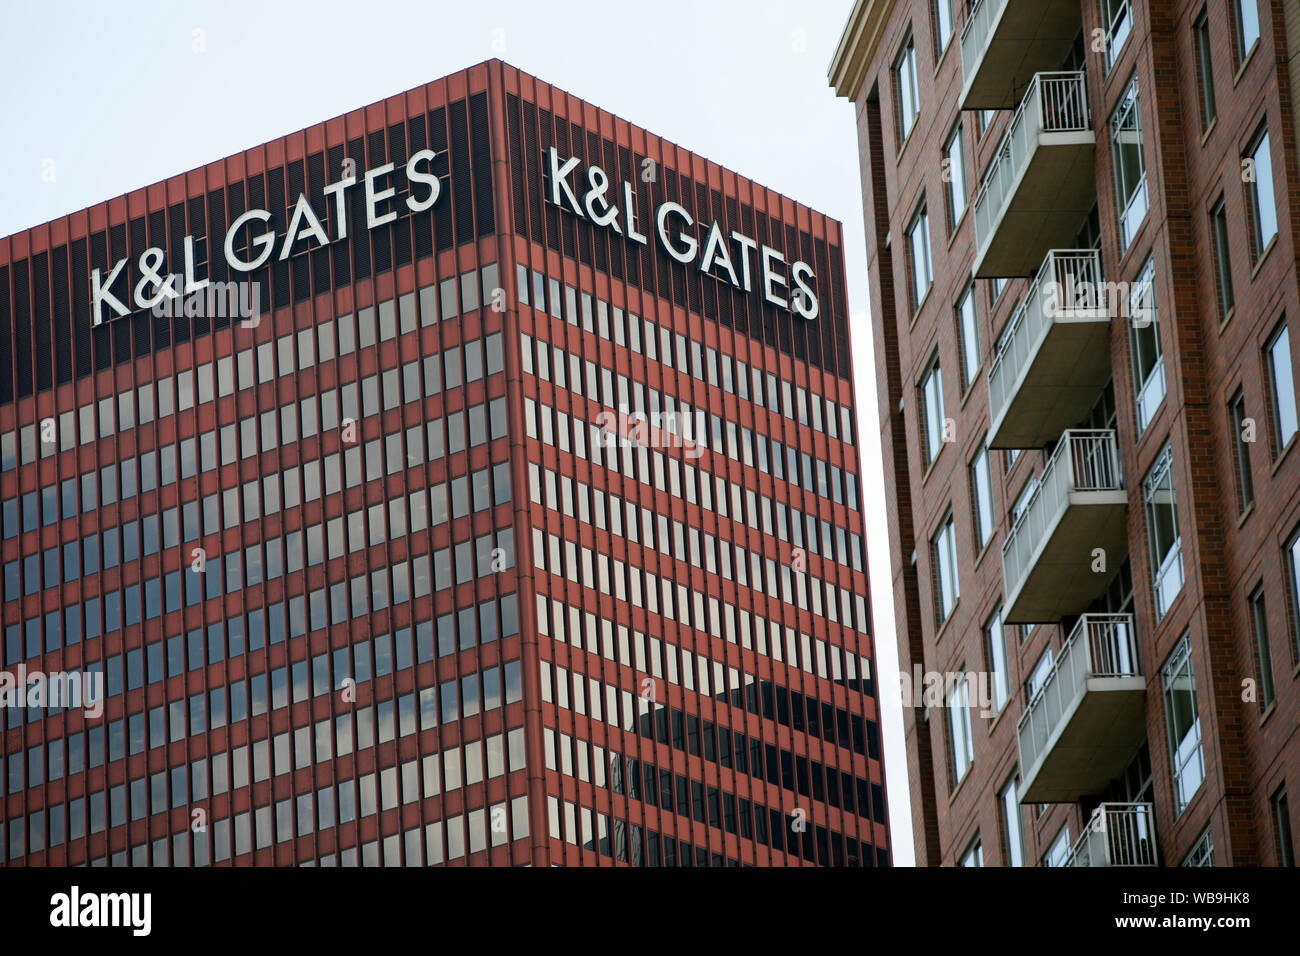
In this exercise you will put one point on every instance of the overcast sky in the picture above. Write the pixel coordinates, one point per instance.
(112, 97)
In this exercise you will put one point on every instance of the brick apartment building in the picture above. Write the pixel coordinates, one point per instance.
(1082, 227)
(522, 527)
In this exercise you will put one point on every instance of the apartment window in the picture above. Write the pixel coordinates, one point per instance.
(968, 337)
(1245, 27)
(932, 410)
(981, 486)
(942, 26)
(1263, 656)
(983, 120)
(943, 549)
(961, 750)
(1281, 389)
(1222, 259)
(1282, 825)
(1037, 678)
(1059, 850)
(1292, 560)
(1129, 163)
(1257, 165)
(906, 91)
(1162, 532)
(1013, 832)
(918, 256)
(995, 639)
(954, 174)
(1021, 503)
(1245, 484)
(1182, 723)
(1144, 347)
(1116, 20)
(974, 855)
(1202, 853)
(1205, 69)
(996, 287)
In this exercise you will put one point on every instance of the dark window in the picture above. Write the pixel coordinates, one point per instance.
(1243, 434)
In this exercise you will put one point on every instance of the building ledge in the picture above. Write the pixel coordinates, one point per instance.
(857, 46)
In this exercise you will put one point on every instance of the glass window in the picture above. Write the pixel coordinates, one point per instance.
(1222, 259)
(918, 256)
(968, 337)
(961, 750)
(1059, 851)
(905, 90)
(981, 485)
(932, 410)
(1263, 655)
(944, 555)
(1144, 347)
(1242, 437)
(1205, 70)
(1183, 723)
(1117, 22)
(1012, 823)
(1292, 561)
(1282, 824)
(1129, 162)
(954, 170)
(942, 25)
(1037, 678)
(1281, 388)
(1257, 167)
(1202, 853)
(1162, 532)
(1245, 27)
(996, 651)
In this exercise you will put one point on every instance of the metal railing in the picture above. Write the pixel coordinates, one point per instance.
(1101, 645)
(976, 32)
(1053, 103)
(1084, 460)
(1068, 286)
(1118, 834)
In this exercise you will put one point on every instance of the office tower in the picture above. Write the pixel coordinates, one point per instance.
(495, 501)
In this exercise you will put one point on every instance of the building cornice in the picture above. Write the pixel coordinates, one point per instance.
(858, 45)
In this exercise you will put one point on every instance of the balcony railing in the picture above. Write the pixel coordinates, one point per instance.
(1067, 288)
(1118, 834)
(1053, 116)
(1084, 460)
(1101, 645)
(1054, 103)
(1004, 42)
(977, 32)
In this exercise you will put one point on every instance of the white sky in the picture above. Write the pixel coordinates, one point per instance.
(117, 97)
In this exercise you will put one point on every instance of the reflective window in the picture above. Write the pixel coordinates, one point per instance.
(1182, 723)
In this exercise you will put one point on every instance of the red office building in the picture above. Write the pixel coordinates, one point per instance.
(470, 479)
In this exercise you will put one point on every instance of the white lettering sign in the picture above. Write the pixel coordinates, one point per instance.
(727, 256)
(154, 285)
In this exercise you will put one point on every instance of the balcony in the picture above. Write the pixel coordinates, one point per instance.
(1050, 558)
(1005, 42)
(1039, 187)
(1082, 728)
(1055, 359)
(1118, 834)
